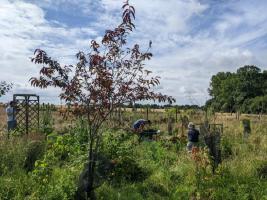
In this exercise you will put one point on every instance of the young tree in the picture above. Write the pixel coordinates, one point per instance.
(103, 79)
(4, 87)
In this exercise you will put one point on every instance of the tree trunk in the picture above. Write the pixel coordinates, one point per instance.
(92, 156)
(91, 165)
(90, 187)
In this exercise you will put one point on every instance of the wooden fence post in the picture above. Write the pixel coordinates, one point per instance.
(176, 114)
(147, 113)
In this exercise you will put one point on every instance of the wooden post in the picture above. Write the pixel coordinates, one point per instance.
(170, 125)
(27, 114)
(237, 115)
(176, 114)
(247, 127)
(38, 119)
(119, 115)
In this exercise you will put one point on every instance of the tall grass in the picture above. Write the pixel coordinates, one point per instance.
(146, 170)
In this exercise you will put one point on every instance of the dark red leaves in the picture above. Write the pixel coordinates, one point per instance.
(108, 76)
(47, 71)
(146, 56)
(96, 60)
(128, 14)
(41, 82)
(95, 46)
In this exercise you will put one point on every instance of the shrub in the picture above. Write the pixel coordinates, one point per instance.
(129, 170)
(126, 192)
(62, 185)
(118, 144)
(16, 186)
(12, 154)
(46, 125)
(262, 171)
(63, 146)
(35, 151)
(226, 147)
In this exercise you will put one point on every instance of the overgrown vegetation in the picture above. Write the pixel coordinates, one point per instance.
(127, 169)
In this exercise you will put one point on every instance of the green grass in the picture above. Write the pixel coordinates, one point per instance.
(149, 170)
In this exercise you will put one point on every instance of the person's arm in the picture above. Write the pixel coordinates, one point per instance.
(196, 133)
(140, 128)
(17, 108)
(189, 136)
(9, 111)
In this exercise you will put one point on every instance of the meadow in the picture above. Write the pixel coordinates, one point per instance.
(48, 164)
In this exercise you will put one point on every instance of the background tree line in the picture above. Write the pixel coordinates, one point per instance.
(242, 91)
(158, 106)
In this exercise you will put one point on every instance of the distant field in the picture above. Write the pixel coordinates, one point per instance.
(157, 116)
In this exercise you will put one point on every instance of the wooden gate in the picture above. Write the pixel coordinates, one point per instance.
(27, 112)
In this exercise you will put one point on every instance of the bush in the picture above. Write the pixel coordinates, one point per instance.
(226, 148)
(46, 125)
(16, 186)
(62, 185)
(118, 144)
(126, 192)
(262, 171)
(127, 169)
(12, 155)
(63, 146)
(35, 151)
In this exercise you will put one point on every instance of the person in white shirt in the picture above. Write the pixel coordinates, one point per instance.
(11, 118)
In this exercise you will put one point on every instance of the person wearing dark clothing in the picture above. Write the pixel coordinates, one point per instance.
(139, 128)
(193, 136)
(139, 125)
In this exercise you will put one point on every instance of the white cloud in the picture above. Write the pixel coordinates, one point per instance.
(187, 50)
(23, 28)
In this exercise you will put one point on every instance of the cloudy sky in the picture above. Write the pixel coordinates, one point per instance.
(192, 39)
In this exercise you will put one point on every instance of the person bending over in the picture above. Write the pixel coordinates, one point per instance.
(141, 127)
(140, 124)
